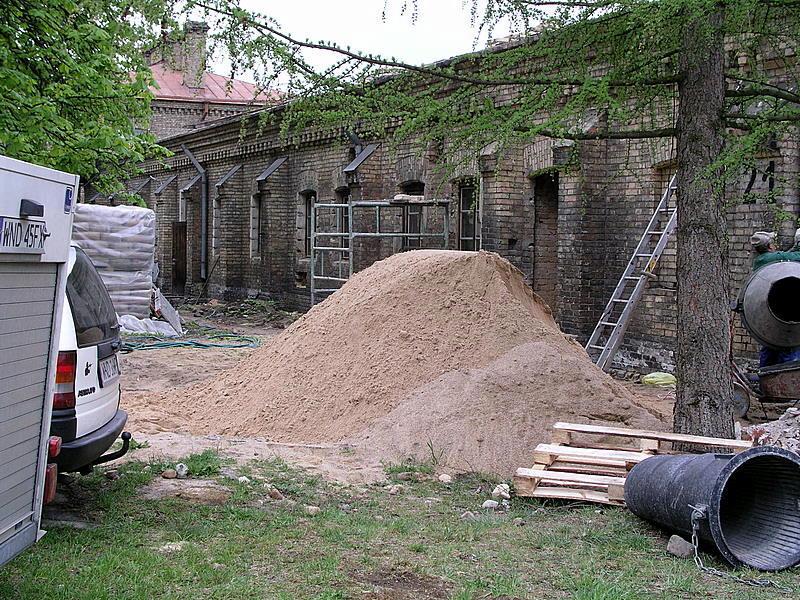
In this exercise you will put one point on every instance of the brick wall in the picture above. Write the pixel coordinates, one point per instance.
(571, 240)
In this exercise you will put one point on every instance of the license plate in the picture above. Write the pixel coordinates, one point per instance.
(109, 370)
(22, 236)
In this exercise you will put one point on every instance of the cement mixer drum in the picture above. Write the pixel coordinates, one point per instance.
(770, 305)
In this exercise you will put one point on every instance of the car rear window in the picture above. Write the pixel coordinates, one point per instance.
(92, 310)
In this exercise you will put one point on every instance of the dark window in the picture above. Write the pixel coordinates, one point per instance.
(92, 310)
(343, 197)
(412, 215)
(309, 198)
(469, 215)
(413, 188)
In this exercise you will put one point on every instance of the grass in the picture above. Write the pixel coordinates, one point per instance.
(365, 543)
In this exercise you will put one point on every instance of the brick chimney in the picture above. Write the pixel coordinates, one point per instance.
(194, 53)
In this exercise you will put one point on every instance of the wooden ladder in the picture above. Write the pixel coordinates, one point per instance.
(610, 329)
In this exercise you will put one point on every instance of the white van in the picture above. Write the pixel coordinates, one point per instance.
(86, 413)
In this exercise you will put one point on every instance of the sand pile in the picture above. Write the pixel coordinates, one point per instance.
(450, 347)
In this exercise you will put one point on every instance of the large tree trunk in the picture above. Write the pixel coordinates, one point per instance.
(704, 403)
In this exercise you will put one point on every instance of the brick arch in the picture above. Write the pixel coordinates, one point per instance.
(410, 168)
(338, 180)
(307, 181)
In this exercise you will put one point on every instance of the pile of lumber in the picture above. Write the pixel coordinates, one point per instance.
(590, 462)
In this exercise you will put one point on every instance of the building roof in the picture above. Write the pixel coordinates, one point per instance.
(169, 85)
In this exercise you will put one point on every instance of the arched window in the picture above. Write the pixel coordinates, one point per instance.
(307, 200)
(412, 215)
(256, 201)
(343, 197)
(469, 215)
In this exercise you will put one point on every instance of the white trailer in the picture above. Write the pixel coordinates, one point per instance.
(36, 206)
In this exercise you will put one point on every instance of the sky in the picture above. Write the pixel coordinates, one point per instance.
(441, 29)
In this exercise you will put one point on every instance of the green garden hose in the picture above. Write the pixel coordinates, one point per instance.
(211, 338)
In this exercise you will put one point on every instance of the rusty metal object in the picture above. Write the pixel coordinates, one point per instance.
(781, 382)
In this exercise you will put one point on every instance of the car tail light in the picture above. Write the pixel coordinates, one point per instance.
(50, 482)
(53, 446)
(66, 368)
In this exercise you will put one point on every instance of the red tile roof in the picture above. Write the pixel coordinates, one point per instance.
(215, 88)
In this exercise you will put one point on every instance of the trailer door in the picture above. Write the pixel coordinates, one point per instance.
(26, 313)
(35, 224)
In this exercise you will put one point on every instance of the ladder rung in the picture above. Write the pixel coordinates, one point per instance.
(632, 278)
(655, 233)
(597, 347)
(609, 323)
(620, 300)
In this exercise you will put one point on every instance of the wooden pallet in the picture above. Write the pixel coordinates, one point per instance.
(572, 469)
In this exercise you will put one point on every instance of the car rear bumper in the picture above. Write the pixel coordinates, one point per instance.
(82, 451)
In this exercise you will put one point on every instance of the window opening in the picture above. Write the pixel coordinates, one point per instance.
(469, 218)
(412, 215)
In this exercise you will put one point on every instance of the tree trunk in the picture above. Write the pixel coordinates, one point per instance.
(704, 403)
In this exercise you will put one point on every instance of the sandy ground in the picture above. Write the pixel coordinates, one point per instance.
(152, 371)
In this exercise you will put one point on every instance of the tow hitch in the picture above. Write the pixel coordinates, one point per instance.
(126, 443)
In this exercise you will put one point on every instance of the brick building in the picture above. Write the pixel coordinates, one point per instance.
(569, 225)
(186, 94)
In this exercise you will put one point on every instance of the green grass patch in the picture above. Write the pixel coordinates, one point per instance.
(365, 543)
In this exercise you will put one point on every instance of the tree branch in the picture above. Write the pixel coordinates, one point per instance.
(772, 118)
(639, 134)
(755, 91)
(424, 70)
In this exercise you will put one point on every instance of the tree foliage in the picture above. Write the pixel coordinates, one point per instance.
(73, 85)
(581, 69)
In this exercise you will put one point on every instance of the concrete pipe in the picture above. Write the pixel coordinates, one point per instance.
(770, 305)
(745, 505)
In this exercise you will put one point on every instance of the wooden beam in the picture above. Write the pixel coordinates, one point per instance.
(609, 458)
(653, 435)
(570, 494)
(577, 478)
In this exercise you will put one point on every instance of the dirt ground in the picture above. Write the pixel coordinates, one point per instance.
(146, 372)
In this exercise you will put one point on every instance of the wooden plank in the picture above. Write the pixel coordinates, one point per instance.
(617, 492)
(588, 469)
(598, 456)
(524, 486)
(569, 477)
(652, 435)
(560, 436)
(571, 494)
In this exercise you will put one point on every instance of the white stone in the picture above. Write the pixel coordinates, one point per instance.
(445, 478)
(490, 504)
(502, 491)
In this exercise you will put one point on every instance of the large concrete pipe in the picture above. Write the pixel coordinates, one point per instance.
(746, 505)
(770, 305)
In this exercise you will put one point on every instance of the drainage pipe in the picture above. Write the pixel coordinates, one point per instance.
(770, 307)
(203, 210)
(749, 502)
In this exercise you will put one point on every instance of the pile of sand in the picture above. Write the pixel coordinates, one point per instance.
(441, 349)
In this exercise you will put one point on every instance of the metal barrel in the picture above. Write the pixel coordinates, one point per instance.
(751, 502)
(770, 307)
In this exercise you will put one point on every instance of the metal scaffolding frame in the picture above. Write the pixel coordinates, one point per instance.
(351, 235)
